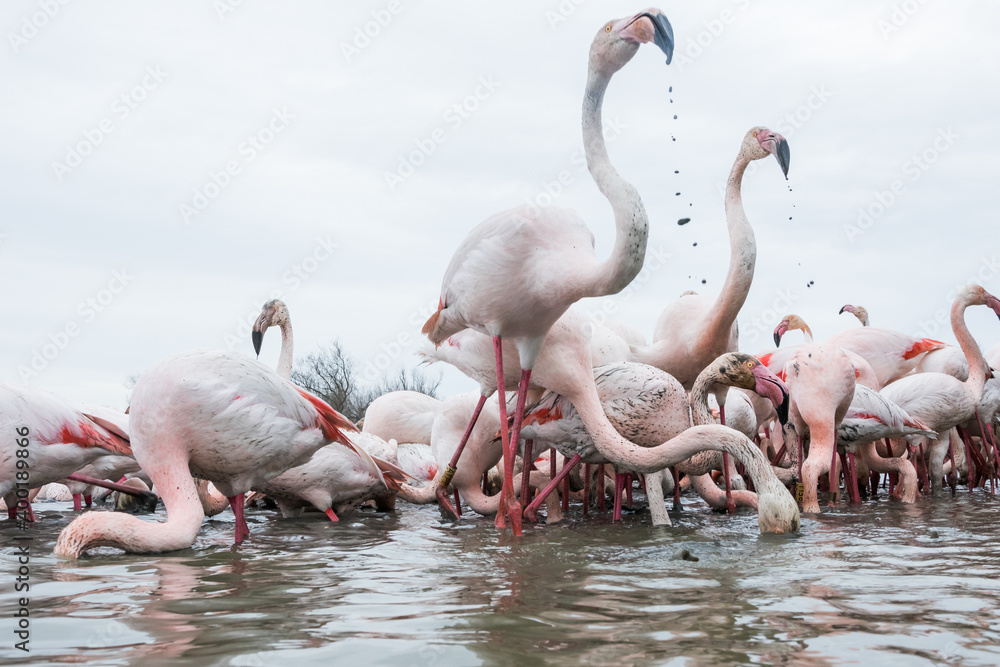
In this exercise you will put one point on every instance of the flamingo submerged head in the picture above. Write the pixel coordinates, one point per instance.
(761, 142)
(274, 313)
(617, 42)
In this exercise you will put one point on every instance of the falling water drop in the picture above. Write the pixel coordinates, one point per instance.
(677, 194)
(695, 244)
(683, 221)
(703, 281)
(676, 171)
(675, 116)
(670, 89)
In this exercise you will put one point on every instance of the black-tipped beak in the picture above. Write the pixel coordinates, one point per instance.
(664, 32)
(842, 310)
(782, 408)
(777, 339)
(257, 337)
(784, 155)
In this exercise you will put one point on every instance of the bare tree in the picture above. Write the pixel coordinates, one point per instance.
(331, 374)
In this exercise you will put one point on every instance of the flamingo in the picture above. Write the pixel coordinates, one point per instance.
(941, 401)
(56, 439)
(334, 475)
(403, 416)
(647, 406)
(217, 416)
(519, 271)
(859, 312)
(821, 382)
(109, 468)
(694, 330)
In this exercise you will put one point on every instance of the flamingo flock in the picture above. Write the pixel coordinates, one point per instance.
(571, 411)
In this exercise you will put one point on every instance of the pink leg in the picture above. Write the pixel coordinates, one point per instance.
(449, 472)
(88, 500)
(730, 503)
(953, 475)
(508, 461)
(29, 514)
(242, 530)
(628, 490)
(600, 487)
(780, 455)
(586, 488)
(458, 503)
(853, 472)
(330, 513)
(988, 443)
(565, 489)
(616, 514)
(531, 511)
(528, 464)
(77, 502)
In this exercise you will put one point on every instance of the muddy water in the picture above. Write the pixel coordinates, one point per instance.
(879, 583)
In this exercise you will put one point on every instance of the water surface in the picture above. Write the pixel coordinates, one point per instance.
(878, 583)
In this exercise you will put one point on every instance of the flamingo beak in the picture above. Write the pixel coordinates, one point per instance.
(779, 331)
(776, 145)
(662, 33)
(772, 388)
(257, 335)
(993, 303)
(846, 309)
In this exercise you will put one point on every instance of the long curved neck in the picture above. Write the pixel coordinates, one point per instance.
(977, 363)
(631, 221)
(806, 332)
(700, 412)
(742, 257)
(287, 351)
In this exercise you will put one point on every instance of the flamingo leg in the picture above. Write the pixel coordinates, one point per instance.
(242, 530)
(449, 472)
(148, 496)
(458, 503)
(987, 443)
(77, 502)
(527, 466)
(616, 514)
(513, 507)
(853, 471)
(508, 461)
(601, 495)
(628, 490)
(834, 485)
(586, 488)
(330, 513)
(780, 455)
(953, 473)
(88, 500)
(531, 511)
(730, 503)
(677, 488)
(565, 489)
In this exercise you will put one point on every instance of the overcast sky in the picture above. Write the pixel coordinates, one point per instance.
(168, 166)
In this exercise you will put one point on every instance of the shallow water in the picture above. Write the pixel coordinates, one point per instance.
(880, 583)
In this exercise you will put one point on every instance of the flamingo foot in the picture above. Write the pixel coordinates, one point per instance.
(444, 504)
(514, 515)
(330, 513)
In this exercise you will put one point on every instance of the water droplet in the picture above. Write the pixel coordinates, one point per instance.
(675, 116)
(703, 281)
(695, 243)
(677, 194)
(670, 89)
(676, 171)
(671, 101)
(789, 217)
(683, 221)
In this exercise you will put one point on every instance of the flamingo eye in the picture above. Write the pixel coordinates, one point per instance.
(607, 28)
(755, 134)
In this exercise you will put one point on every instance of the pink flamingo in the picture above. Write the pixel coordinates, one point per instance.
(549, 256)
(821, 381)
(941, 401)
(47, 440)
(859, 312)
(220, 417)
(109, 468)
(403, 416)
(694, 330)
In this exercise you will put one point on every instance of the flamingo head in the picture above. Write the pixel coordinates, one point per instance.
(274, 313)
(747, 372)
(790, 322)
(859, 312)
(618, 40)
(992, 302)
(761, 142)
(976, 295)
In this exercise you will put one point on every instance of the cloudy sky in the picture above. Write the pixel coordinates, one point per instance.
(168, 166)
